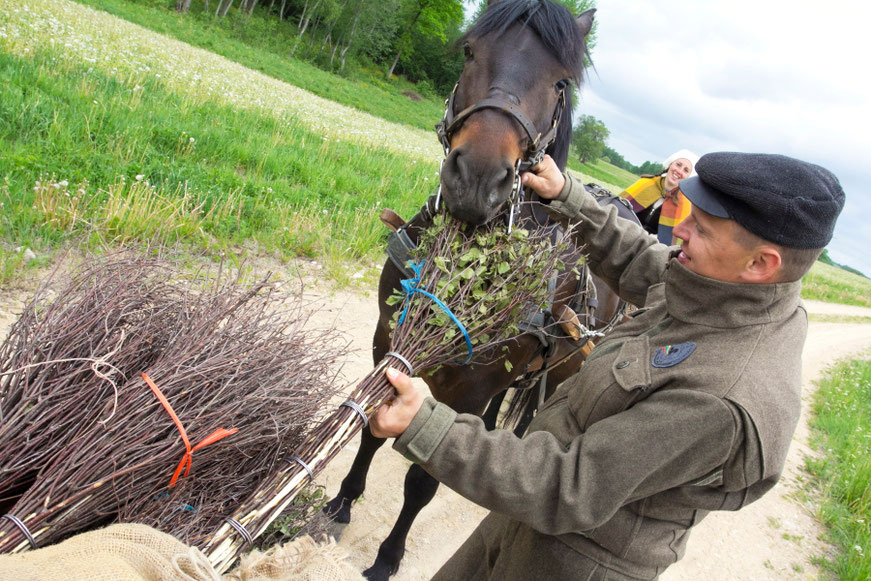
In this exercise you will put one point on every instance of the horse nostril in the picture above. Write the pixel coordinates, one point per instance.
(507, 180)
(461, 166)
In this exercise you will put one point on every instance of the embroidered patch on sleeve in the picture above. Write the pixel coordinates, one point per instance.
(671, 355)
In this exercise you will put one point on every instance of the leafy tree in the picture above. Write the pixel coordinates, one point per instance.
(588, 138)
(434, 62)
(651, 167)
(429, 18)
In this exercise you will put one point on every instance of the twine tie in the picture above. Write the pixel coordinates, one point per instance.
(187, 459)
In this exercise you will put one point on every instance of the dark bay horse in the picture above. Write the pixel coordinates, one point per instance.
(511, 105)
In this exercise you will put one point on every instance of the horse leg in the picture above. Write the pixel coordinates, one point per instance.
(420, 488)
(353, 485)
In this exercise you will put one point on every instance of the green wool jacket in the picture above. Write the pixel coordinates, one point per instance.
(688, 407)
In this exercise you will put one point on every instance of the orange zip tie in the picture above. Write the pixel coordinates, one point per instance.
(188, 457)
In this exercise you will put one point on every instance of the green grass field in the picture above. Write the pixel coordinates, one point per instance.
(842, 475)
(263, 44)
(604, 173)
(828, 283)
(110, 132)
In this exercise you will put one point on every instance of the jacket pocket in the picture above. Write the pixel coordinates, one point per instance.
(630, 367)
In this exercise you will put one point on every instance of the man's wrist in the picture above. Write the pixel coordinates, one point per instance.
(426, 431)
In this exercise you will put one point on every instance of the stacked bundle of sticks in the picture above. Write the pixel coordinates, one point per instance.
(471, 290)
(141, 395)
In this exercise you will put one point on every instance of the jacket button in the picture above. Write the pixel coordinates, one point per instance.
(623, 364)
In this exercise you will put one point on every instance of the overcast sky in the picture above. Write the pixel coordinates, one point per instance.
(772, 76)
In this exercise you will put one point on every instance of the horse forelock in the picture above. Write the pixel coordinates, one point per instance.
(552, 22)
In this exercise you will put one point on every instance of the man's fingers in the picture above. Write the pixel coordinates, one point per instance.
(400, 381)
(530, 179)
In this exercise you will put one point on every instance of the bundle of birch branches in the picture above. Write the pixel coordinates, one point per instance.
(138, 393)
(471, 290)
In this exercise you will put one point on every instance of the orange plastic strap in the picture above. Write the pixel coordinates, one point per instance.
(186, 461)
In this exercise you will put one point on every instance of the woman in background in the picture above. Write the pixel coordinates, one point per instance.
(656, 199)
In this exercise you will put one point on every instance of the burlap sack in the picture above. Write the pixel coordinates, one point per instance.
(132, 552)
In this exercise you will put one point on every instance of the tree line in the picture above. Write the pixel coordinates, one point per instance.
(414, 38)
(589, 142)
(392, 36)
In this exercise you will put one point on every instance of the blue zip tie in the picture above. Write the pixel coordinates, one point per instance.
(410, 287)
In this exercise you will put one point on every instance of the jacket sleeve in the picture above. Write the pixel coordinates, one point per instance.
(672, 438)
(619, 251)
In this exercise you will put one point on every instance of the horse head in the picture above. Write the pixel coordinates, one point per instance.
(511, 104)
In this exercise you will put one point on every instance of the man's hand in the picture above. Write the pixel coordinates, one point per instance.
(392, 418)
(545, 179)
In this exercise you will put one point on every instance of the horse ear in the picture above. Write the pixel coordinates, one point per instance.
(585, 21)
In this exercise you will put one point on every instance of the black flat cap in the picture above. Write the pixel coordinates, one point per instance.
(781, 199)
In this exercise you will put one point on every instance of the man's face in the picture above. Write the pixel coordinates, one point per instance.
(709, 247)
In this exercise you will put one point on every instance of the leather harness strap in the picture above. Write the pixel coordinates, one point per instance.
(450, 123)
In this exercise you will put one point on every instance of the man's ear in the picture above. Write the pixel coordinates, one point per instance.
(763, 265)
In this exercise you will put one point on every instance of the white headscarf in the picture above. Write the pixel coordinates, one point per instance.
(685, 154)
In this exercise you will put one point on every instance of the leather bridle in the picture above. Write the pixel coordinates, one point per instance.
(534, 153)
(538, 143)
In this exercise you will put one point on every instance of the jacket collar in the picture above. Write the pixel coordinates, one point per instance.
(700, 300)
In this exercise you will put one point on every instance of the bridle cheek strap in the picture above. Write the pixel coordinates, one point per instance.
(537, 142)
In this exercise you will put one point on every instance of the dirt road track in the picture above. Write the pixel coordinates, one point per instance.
(775, 538)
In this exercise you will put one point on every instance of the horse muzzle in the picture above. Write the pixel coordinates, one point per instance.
(475, 189)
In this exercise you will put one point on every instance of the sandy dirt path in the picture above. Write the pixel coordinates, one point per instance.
(775, 538)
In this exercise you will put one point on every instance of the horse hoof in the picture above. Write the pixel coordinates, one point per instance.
(379, 572)
(339, 510)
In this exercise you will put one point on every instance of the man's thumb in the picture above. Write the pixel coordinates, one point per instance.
(399, 380)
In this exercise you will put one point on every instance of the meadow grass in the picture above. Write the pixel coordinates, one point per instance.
(820, 318)
(841, 430)
(84, 153)
(828, 283)
(226, 155)
(263, 43)
(604, 173)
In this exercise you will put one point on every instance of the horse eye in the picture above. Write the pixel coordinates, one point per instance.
(467, 51)
(561, 85)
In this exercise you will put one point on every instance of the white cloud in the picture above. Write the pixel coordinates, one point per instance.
(767, 76)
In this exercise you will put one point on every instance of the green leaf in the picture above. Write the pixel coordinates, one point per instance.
(472, 254)
(503, 267)
(508, 366)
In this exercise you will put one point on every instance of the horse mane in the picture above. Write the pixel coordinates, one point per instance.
(558, 31)
(559, 147)
(552, 22)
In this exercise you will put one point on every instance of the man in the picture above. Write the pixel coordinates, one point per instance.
(688, 407)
